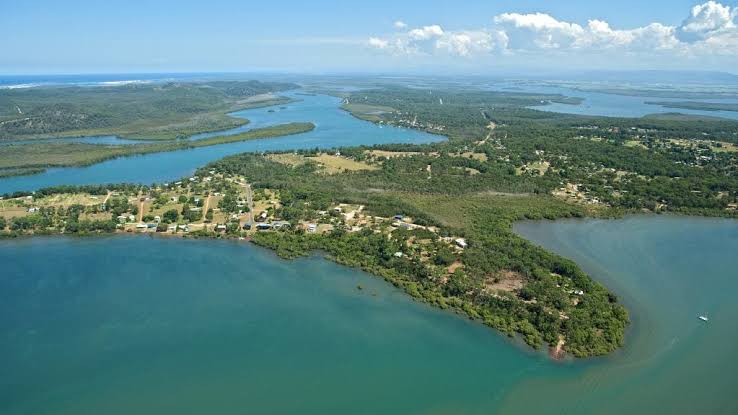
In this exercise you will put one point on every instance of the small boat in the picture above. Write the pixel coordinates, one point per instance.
(704, 318)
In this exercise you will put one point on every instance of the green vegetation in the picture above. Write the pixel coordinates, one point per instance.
(24, 157)
(143, 111)
(615, 163)
(541, 305)
(696, 105)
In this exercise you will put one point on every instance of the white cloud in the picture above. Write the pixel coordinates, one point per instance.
(433, 39)
(710, 28)
(400, 25)
(425, 33)
(378, 43)
(537, 30)
(707, 20)
(465, 43)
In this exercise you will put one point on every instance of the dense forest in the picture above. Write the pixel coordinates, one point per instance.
(151, 111)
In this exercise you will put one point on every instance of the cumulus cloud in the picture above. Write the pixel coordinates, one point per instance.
(707, 20)
(709, 28)
(538, 30)
(426, 33)
(400, 25)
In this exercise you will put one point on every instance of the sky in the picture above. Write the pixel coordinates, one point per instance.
(423, 37)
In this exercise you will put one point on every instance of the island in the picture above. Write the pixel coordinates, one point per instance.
(696, 105)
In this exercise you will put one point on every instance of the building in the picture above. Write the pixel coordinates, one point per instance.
(312, 228)
(460, 242)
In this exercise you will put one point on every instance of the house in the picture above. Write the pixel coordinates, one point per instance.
(157, 218)
(220, 228)
(32, 210)
(131, 218)
(141, 226)
(262, 216)
(460, 242)
(312, 228)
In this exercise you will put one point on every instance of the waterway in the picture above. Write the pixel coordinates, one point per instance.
(122, 325)
(333, 128)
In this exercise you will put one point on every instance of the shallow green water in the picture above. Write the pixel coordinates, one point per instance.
(126, 325)
(667, 270)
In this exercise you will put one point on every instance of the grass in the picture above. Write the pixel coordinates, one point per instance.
(634, 143)
(390, 154)
(541, 166)
(328, 163)
(289, 159)
(336, 164)
(367, 112)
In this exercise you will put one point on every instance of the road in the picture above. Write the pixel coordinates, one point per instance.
(249, 203)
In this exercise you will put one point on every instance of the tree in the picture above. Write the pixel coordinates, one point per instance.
(229, 203)
(170, 216)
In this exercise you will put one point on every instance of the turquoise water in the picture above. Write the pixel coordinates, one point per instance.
(124, 325)
(334, 128)
(668, 271)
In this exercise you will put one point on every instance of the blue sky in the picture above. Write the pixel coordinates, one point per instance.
(470, 36)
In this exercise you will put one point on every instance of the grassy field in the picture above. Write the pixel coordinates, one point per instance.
(328, 163)
(367, 112)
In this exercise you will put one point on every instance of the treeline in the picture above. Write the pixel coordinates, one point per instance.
(163, 110)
